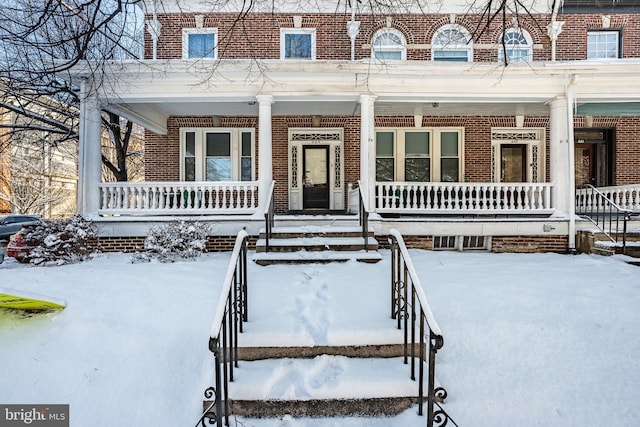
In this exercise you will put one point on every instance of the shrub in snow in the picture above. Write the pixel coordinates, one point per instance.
(178, 239)
(62, 241)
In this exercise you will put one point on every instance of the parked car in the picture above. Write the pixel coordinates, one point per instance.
(18, 248)
(11, 224)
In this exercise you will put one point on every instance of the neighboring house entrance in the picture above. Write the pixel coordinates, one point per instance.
(316, 178)
(593, 157)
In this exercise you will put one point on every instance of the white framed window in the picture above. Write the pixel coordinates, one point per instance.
(298, 43)
(389, 43)
(198, 43)
(517, 44)
(603, 44)
(452, 42)
(217, 154)
(419, 154)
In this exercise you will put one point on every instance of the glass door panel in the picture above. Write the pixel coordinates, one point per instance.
(514, 163)
(315, 194)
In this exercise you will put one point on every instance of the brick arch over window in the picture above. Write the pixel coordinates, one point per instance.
(396, 25)
(462, 21)
(533, 31)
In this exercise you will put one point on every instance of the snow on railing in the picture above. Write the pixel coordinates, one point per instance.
(177, 198)
(473, 198)
(409, 305)
(624, 196)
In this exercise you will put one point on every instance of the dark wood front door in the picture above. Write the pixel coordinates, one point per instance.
(514, 163)
(585, 164)
(315, 194)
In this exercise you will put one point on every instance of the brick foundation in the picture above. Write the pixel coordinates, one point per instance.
(529, 244)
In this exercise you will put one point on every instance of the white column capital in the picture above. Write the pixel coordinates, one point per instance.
(264, 99)
(367, 99)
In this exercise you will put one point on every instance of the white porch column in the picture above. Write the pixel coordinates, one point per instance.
(368, 148)
(89, 153)
(265, 162)
(560, 169)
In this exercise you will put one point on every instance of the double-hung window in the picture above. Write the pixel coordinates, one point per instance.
(603, 44)
(217, 154)
(298, 43)
(198, 43)
(419, 155)
(388, 44)
(452, 42)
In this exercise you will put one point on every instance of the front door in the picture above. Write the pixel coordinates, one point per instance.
(315, 193)
(514, 163)
(585, 164)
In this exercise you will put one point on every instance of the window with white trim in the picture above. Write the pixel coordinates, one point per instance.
(603, 44)
(217, 154)
(198, 43)
(419, 155)
(452, 42)
(298, 43)
(518, 46)
(388, 43)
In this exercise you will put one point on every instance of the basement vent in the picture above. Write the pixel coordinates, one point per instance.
(460, 243)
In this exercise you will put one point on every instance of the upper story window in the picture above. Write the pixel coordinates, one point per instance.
(199, 43)
(517, 44)
(217, 154)
(603, 44)
(452, 43)
(388, 44)
(297, 43)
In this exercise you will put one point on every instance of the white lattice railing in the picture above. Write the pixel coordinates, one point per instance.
(178, 198)
(456, 198)
(625, 196)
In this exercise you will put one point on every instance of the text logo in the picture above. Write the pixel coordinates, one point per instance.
(34, 415)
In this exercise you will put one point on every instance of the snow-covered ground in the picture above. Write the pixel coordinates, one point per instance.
(530, 340)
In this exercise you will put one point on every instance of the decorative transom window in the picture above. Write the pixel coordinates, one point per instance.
(419, 155)
(452, 43)
(297, 43)
(199, 43)
(517, 44)
(603, 44)
(388, 43)
(217, 154)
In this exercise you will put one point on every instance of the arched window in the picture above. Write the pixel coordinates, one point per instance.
(517, 44)
(452, 43)
(389, 44)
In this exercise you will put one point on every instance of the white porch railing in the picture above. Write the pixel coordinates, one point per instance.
(625, 196)
(463, 198)
(178, 198)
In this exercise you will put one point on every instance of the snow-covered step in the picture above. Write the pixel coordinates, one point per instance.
(307, 257)
(322, 386)
(316, 230)
(316, 244)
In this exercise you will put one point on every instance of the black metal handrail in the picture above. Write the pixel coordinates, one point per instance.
(409, 306)
(269, 216)
(363, 215)
(230, 315)
(604, 213)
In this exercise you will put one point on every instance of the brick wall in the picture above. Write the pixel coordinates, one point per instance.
(529, 244)
(133, 244)
(258, 34)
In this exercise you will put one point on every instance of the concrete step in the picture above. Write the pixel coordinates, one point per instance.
(325, 385)
(314, 244)
(315, 257)
(382, 351)
(315, 231)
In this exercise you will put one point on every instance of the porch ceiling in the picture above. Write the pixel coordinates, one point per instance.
(153, 115)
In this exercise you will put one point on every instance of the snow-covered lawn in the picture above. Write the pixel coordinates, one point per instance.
(530, 340)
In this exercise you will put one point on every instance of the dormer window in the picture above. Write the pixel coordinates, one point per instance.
(198, 43)
(452, 43)
(388, 44)
(298, 43)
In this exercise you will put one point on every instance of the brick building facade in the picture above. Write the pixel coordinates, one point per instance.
(418, 109)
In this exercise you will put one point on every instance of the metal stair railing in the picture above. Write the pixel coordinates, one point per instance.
(230, 315)
(363, 216)
(269, 216)
(604, 213)
(409, 306)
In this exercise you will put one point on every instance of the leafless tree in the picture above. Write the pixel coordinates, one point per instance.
(40, 40)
